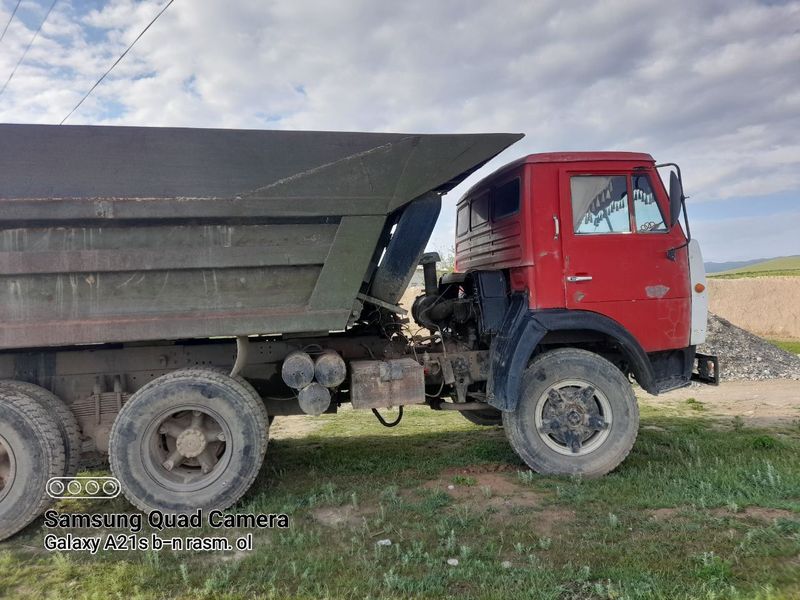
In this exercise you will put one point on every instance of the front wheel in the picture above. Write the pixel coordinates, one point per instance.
(577, 415)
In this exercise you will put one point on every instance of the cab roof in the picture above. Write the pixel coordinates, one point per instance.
(547, 157)
(559, 157)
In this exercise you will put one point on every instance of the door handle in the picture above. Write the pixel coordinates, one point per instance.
(577, 278)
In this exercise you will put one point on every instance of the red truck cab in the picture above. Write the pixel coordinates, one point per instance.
(584, 231)
(574, 275)
(588, 239)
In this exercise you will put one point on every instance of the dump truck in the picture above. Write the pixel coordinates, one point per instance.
(165, 293)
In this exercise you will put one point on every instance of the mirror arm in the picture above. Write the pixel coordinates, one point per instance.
(677, 168)
(685, 218)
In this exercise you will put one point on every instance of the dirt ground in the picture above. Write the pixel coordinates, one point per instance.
(758, 403)
(766, 306)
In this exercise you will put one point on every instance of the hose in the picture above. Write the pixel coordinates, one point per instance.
(385, 423)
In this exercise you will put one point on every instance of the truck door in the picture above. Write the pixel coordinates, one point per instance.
(617, 259)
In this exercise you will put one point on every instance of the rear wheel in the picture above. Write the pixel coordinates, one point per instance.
(577, 414)
(65, 420)
(191, 439)
(31, 452)
(486, 417)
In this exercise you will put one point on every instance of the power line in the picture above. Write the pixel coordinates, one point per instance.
(28, 47)
(11, 18)
(116, 62)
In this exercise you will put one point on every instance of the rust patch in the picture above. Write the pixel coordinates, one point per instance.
(383, 384)
(656, 291)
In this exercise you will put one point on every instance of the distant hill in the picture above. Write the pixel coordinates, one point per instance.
(784, 265)
(718, 267)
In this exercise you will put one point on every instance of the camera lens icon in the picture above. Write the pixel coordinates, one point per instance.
(111, 488)
(55, 488)
(95, 488)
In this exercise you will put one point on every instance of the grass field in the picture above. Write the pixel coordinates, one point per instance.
(700, 509)
(784, 266)
(789, 346)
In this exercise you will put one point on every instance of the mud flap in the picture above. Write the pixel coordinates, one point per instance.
(511, 348)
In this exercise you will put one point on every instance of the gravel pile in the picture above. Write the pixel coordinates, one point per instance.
(743, 355)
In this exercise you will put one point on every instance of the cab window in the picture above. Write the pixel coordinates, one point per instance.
(600, 204)
(645, 206)
(505, 200)
(479, 213)
(462, 219)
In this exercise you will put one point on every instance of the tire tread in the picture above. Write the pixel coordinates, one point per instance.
(64, 417)
(46, 430)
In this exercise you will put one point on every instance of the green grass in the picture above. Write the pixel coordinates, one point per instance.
(789, 346)
(784, 266)
(694, 404)
(676, 520)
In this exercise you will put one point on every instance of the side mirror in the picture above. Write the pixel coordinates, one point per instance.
(675, 198)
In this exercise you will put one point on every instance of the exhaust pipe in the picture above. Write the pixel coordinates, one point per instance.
(428, 262)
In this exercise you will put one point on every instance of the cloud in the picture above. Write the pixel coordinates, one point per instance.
(711, 85)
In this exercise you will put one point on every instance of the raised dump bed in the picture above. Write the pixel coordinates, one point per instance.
(119, 234)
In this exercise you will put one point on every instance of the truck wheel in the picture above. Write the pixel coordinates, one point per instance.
(64, 418)
(31, 453)
(577, 414)
(487, 417)
(194, 438)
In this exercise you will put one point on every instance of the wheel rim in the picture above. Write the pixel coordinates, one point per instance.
(8, 467)
(573, 417)
(185, 449)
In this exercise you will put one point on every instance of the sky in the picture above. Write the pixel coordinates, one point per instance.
(712, 85)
